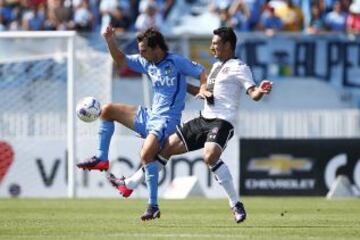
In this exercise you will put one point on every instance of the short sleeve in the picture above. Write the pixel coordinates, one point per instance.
(135, 63)
(243, 72)
(189, 68)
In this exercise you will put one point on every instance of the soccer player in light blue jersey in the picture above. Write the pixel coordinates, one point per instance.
(167, 73)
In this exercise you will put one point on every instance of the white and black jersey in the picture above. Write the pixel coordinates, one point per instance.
(225, 81)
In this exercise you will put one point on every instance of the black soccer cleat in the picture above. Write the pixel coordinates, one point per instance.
(151, 213)
(94, 163)
(239, 212)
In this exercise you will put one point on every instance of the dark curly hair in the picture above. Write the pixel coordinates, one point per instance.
(154, 38)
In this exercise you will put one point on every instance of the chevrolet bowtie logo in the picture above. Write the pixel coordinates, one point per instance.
(280, 164)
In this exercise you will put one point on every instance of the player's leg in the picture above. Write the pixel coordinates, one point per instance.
(122, 113)
(219, 133)
(150, 148)
(127, 185)
(176, 144)
(160, 129)
(173, 146)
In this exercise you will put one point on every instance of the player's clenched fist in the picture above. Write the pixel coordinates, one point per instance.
(266, 86)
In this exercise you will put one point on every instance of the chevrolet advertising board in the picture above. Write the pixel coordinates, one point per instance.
(296, 167)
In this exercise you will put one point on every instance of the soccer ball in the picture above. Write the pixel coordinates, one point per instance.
(88, 109)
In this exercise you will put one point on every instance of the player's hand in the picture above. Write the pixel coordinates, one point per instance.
(109, 33)
(265, 86)
(203, 94)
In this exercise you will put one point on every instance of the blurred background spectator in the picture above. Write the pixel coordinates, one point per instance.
(269, 22)
(150, 17)
(106, 8)
(119, 20)
(291, 15)
(254, 7)
(240, 16)
(353, 20)
(336, 19)
(34, 18)
(215, 6)
(2, 24)
(316, 24)
(83, 18)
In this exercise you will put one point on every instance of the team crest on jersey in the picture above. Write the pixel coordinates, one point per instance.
(152, 71)
(168, 70)
(215, 130)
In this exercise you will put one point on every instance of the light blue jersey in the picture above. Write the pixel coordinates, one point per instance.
(168, 81)
(169, 91)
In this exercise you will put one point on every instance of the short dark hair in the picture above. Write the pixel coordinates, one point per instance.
(154, 38)
(226, 34)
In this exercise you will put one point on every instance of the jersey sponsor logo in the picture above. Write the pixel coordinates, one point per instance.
(162, 81)
(163, 78)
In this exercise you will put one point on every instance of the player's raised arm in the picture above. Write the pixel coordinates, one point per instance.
(117, 55)
(256, 93)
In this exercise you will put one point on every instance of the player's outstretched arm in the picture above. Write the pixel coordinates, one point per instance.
(256, 93)
(117, 55)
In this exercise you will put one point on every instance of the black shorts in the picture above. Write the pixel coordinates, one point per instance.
(199, 130)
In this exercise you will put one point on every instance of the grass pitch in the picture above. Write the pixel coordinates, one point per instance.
(196, 218)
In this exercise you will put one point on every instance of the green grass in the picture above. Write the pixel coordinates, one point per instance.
(268, 218)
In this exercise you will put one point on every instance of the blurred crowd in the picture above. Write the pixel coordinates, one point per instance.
(82, 15)
(270, 16)
(310, 16)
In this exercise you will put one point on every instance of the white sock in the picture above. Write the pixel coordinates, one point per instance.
(134, 180)
(224, 178)
(138, 177)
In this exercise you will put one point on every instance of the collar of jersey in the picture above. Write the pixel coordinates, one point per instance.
(162, 60)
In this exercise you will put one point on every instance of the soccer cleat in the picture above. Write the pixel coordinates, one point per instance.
(119, 184)
(124, 191)
(94, 163)
(239, 212)
(150, 213)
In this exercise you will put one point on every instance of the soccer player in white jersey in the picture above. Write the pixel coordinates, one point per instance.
(167, 72)
(214, 127)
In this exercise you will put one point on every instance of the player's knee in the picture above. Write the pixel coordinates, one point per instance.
(106, 111)
(210, 157)
(146, 157)
(167, 151)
